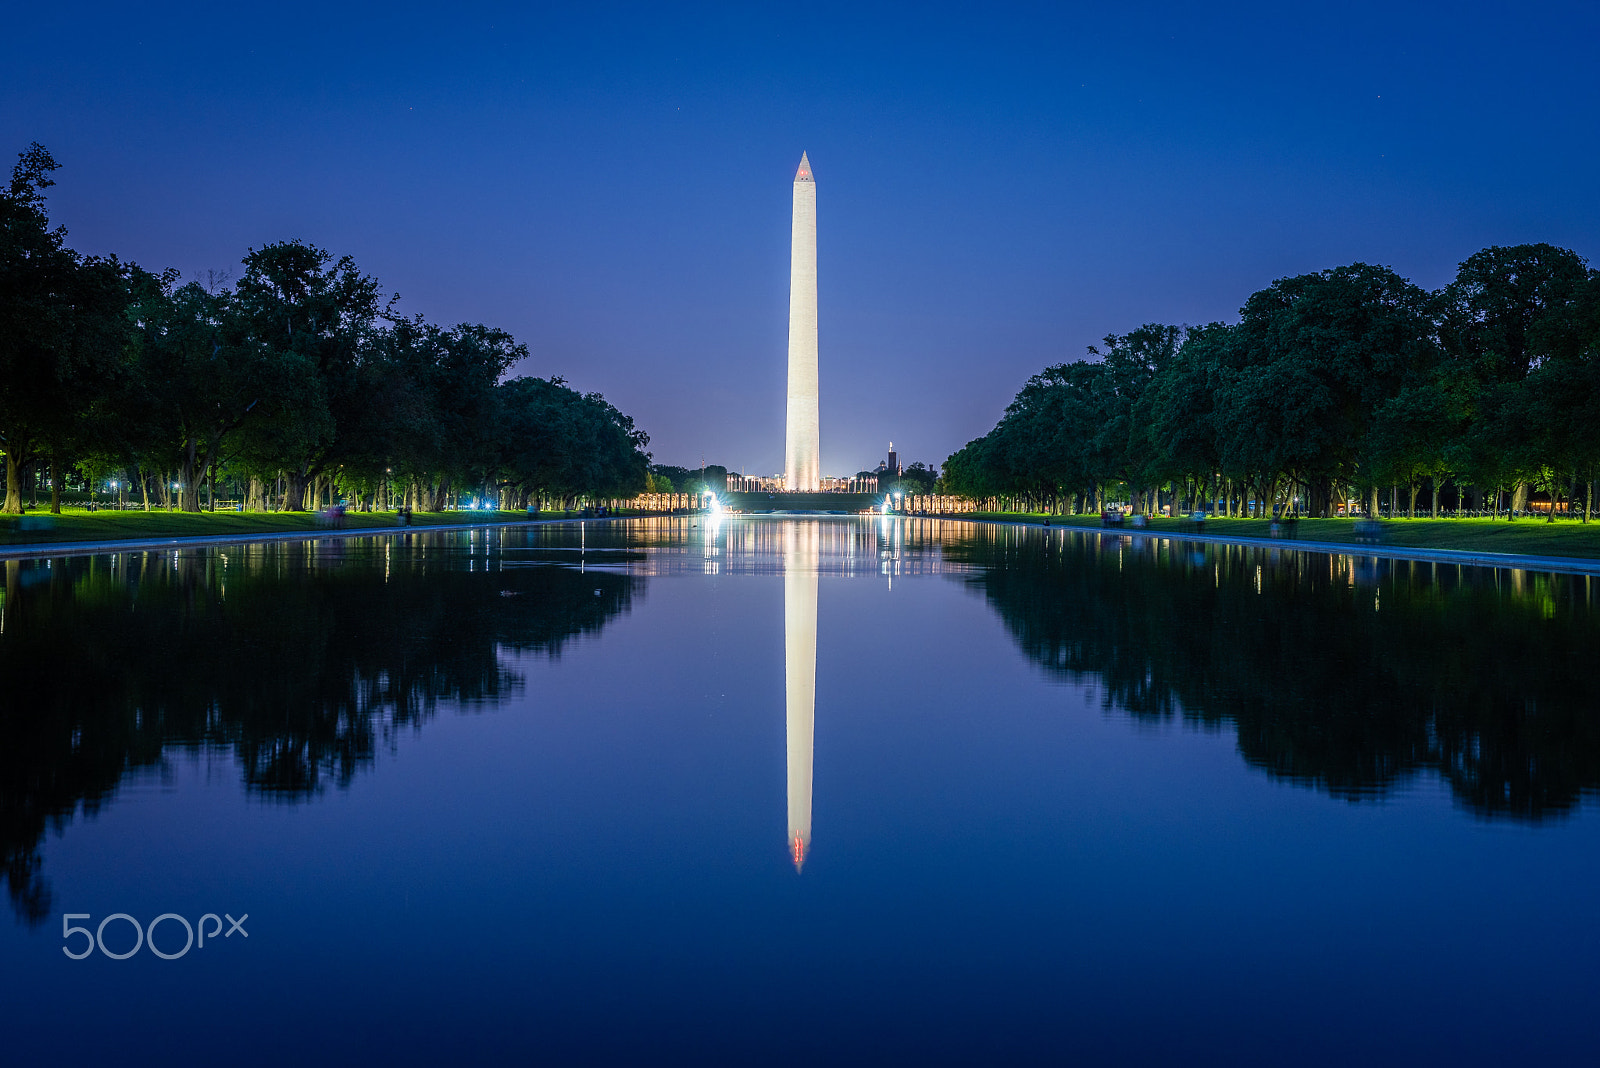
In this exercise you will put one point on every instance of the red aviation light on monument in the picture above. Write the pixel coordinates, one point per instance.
(800, 556)
(804, 173)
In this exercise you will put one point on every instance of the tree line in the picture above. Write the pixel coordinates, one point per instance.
(1350, 384)
(294, 385)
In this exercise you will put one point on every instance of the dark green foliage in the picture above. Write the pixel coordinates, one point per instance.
(560, 443)
(62, 327)
(298, 383)
(308, 327)
(666, 478)
(917, 478)
(1331, 384)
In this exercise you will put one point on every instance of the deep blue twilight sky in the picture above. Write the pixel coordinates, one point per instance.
(997, 187)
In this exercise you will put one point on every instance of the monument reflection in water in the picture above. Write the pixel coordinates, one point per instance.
(800, 559)
(805, 547)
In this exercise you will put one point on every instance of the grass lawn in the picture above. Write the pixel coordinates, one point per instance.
(1533, 537)
(77, 524)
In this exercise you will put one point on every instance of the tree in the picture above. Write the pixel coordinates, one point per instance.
(715, 478)
(970, 472)
(563, 444)
(1498, 321)
(1049, 442)
(1179, 410)
(191, 386)
(1409, 438)
(919, 478)
(1312, 360)
(311, 326)
(61, 329)
(1132, 363)
(461, 382)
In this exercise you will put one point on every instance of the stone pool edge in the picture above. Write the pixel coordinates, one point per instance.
(45, 550)
(1578, 565)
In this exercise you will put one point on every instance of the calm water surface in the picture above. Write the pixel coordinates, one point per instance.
(798, 791)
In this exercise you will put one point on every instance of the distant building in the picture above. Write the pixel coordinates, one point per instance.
(755, 483)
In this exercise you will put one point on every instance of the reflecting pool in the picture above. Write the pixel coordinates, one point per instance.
(767, 790)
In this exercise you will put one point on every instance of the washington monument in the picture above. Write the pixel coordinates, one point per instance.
(802, 453)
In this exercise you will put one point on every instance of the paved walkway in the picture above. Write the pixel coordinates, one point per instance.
(121, 545)
(1576, 565)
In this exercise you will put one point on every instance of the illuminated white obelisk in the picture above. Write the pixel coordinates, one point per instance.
(802, 453)
(800, 676)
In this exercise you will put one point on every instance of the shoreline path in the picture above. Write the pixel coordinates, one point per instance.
(1569, 564)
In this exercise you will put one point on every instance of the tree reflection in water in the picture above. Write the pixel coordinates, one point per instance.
(300, 659)
(1348, 673)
